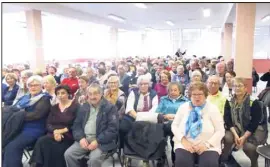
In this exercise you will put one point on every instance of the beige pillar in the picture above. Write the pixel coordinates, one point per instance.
(227, 48)
(222, 44)
(244, 41)
(34, 31)
(114, 41)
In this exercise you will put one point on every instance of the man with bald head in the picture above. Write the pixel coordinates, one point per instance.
(220, 71)
(216, 97)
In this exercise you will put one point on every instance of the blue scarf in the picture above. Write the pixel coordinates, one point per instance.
(194, 122)
(27, 101)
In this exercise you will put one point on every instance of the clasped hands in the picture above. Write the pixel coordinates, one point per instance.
(85, 144)
(58, 134)
(194, 148)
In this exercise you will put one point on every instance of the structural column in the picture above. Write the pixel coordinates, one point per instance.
(143, 46)
(114, 41)
(244, 42)
(34, 31)
(175, 38)
(227, 48)
(222, 44)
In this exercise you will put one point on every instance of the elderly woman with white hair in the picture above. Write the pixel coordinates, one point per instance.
(196, 76)
(143, 99)
(114, 95)
(34, 107)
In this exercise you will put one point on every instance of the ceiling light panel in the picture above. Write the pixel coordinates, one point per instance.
(206, 12)
(116, 18)
(170, 23)
(266, 18)
(141, 5)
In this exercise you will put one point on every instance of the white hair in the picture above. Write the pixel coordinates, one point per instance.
(196, 72)
(143, 78)
(37, 78)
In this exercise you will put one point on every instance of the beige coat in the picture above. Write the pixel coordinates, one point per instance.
(212, 123)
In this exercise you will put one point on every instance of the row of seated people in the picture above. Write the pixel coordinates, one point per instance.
(197, 124)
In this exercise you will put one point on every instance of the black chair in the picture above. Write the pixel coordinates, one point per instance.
(264, 151)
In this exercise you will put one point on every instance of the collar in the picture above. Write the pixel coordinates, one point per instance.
(217, 94)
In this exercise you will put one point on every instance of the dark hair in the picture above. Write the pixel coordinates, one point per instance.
(65, 87)
(53, 68)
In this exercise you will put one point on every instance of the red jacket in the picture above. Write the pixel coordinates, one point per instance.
(72, 83)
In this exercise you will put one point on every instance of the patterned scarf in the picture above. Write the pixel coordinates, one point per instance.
(194, 122)
(112, 96)
(27, 101)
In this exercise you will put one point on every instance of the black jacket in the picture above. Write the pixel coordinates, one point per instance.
(107, 125)
(146, 140)
(12, 123)
(266, 77)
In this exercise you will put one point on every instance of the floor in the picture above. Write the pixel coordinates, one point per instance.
(239, 156)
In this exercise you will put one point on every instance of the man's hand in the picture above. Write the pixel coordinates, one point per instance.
(93, 145)
(84, 143)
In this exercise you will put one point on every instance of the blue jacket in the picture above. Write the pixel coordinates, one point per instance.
(9, 96)
(107, 125)
(167, 106)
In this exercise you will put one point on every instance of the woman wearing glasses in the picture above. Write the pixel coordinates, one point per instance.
(198, 130)
(36, 106)
(244, 123)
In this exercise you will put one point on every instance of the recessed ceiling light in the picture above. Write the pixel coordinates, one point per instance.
(209, 27)
(116, 18)
(206, 12)
(140, 5)
(266, 18)
(170, 23)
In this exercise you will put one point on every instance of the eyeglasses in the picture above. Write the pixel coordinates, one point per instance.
(213, 83)
(112, 83)
(33, 85)
(238, 86)
(196, 95)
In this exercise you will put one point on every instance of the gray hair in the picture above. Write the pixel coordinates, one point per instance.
(33, 78)
(96, 86)
(27, 73)
(110, 78)
(143, 78)
(179, 86)
(196, 72)
(180, 66)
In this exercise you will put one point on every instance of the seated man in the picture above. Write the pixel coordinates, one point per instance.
(215, 96)
(95, 129)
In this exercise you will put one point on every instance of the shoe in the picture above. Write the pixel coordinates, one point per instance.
(146, 164)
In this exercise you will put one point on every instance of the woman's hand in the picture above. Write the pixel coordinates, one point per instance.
(200, 148)
(169, 117)
(57, 137)
(187, 145)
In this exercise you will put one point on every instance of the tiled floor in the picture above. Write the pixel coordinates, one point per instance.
(239, 156)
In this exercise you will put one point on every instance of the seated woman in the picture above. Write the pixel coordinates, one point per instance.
(80, 94)
(114, 95)
(198, 129)
(49, 84)
(244, 121)
(142, 100)
(161, 88)
(168, 107)
(9, 93)
(49, 150)
(36, 106)
(227, 90)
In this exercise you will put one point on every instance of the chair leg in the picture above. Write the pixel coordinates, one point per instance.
(113, 161)
(119, 157)
(25, 155)
(267, 163)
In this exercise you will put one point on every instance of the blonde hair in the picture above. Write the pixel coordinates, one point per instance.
(50, 79)
(12, 75)
(240, 80)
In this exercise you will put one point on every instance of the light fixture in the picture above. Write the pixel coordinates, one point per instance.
(206, 12)
(149, 29)
(116, 18)
(170, 23)
(209, 27)
(140, 5)
(266, 18)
